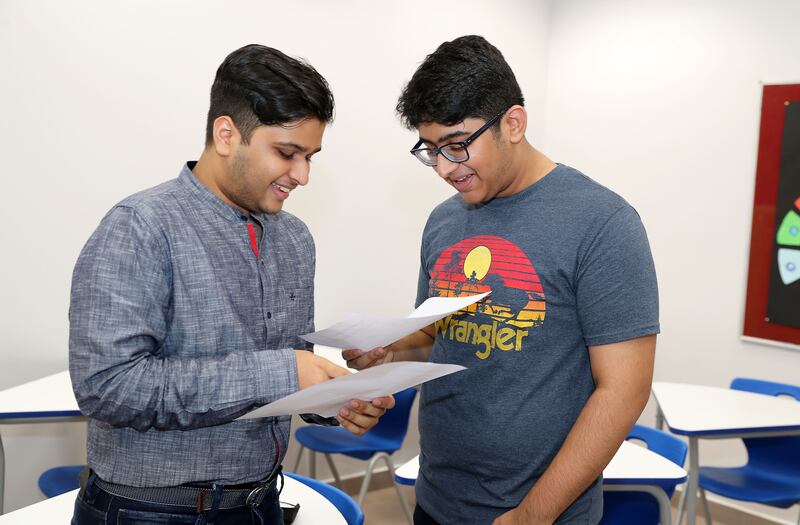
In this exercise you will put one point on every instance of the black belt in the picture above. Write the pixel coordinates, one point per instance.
(200, 498)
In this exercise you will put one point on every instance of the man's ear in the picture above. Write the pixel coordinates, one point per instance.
(516, 122)
(225, 136)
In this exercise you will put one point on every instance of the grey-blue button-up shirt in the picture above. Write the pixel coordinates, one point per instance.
(179, 323)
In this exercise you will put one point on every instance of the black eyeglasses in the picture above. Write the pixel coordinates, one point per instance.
(454, 151)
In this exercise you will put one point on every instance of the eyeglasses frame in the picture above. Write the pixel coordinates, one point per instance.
(463, 143)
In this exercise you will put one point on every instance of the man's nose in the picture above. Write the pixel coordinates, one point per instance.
(299, 172)
(444, 167)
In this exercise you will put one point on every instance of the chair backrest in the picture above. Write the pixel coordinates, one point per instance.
(640, 508)
(770, 388)
(59, 480)
(780, 455)
(345, 504)
(661, 443)
(393, 425)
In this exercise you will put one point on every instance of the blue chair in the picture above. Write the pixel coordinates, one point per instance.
(345, 504)
(641, 508)
(59, 480)
(771, 475)
(383, 439)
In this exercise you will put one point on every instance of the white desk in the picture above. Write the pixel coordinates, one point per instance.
(407, 474)
(633, 468)
(704, 412)
(314, 508)
(45, 400)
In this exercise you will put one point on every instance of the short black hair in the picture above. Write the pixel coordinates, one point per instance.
(260, 86)
(465, 78)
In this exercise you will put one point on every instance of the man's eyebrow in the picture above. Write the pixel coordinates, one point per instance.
(298, 147)
(447, 137)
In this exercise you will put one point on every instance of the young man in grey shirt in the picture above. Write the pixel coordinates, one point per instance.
(560, 355)
(186, 309)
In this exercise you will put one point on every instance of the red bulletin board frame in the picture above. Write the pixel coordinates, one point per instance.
(762, 236)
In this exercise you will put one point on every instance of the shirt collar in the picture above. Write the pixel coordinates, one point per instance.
(199, 191)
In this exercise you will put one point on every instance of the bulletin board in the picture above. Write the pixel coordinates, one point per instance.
(772, 309)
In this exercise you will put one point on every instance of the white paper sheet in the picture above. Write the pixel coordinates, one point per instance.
(327, 398)
(365, 332)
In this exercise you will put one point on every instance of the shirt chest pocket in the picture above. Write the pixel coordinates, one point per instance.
(290, 315)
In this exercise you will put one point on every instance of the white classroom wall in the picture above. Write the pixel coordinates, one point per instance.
(658, 100)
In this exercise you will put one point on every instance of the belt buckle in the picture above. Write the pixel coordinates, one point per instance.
(256, 495)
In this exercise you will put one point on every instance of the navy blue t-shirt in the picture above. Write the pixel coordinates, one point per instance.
(569, 267)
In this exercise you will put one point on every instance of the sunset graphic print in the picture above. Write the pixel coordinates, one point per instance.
(502, 320)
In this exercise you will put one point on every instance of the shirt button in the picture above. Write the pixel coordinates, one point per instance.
(269, 315)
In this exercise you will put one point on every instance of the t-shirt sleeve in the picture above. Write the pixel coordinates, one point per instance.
(423, 286)
(422, 283)
(616, 287)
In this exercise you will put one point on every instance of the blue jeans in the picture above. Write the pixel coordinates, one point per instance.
(98, 507)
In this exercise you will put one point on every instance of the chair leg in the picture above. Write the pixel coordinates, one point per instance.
(299, 457)
(681, 504)
(334, 471)
(367, 477)
(704, 500)
(403, 501)
(312, 464)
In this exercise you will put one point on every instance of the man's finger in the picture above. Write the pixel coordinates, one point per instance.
(356, 406)
(359, 417)
(352, 353)
(364, 361)
(351, 427)
(386, 402)
(359, 359)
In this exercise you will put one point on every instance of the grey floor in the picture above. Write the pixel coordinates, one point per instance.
(382, 507)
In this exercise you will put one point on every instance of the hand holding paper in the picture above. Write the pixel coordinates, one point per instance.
(365, 332)
(313, 369)
(359, 416)
(327, 398)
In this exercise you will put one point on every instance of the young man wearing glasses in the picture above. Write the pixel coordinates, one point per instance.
(560, 355)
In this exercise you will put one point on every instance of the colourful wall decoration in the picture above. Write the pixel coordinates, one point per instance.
(772, 309)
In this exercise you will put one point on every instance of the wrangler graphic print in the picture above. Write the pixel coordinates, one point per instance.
(502, 320)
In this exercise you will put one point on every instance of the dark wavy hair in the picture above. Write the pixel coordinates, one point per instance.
(260, 86)
(465, 78)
